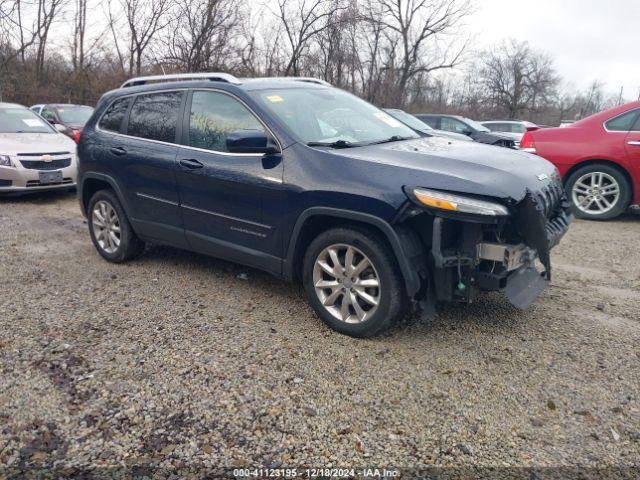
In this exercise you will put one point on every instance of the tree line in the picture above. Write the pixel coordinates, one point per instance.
(412, 54)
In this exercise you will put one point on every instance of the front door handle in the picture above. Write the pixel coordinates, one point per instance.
(634, 143)
(118, 151)
(191, 163)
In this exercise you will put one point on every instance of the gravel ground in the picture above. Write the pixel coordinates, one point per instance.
(181, 361)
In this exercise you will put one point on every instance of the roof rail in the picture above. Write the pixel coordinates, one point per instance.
(213, 76)
(317, 81)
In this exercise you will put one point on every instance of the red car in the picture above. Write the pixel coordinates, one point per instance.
(598, 158)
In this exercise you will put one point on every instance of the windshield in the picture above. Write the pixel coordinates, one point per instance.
(74, 115)
(408, 119)
(475, 125)
(21, 120)
(331, 116)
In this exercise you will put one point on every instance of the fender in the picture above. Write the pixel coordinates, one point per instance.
(104, 178)
(401, 244)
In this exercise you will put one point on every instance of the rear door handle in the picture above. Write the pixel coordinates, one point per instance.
(634, 143)
(118, 151)
(191, 163)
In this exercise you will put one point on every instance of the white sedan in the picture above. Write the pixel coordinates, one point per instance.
(33, 154)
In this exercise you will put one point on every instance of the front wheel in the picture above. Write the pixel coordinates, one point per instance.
(352, 281)
(598, 192)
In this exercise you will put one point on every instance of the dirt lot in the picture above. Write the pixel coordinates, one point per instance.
(180, 361)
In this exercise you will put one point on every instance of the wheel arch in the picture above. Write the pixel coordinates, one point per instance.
(93, 182)
(315, 220)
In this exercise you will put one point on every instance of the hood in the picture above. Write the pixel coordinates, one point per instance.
(14, 143)
(463, 167)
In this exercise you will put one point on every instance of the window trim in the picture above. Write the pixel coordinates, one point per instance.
(186, 103)
(635, 122)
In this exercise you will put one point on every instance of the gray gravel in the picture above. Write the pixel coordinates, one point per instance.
(183, 361)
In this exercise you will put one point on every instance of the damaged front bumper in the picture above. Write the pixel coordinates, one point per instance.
(510, 255)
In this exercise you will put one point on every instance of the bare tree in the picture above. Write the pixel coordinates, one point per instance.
(201, 34)
(143, 20)
(517, 78)
(421, 29)
(47, 14)
(302, 21)
(16, 36)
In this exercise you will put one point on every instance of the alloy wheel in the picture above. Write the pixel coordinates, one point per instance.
(347, 283)
(595, 193)
(106, 226)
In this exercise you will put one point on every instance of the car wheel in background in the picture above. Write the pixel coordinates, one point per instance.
(598, 192)
(110, 230)
(352, 281)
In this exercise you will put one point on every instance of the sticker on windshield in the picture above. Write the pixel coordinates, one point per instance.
(388, 119)
(32, 122)
(275, 98)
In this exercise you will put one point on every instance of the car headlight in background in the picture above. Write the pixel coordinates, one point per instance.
(457, 203)
(5, 161)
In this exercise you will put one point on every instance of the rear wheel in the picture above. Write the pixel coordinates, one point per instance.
(598, 192)
(352, 281)
(110, 230)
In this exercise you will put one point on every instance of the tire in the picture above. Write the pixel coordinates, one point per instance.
(586, 185)
(389, 297)
(102, 205)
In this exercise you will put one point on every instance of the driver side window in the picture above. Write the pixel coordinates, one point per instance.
(214, 116)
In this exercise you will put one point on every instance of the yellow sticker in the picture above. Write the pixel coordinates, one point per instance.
(275, 98)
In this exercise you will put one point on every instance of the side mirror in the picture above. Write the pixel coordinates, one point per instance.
(250, 141)
(59, 127)
(467, 132)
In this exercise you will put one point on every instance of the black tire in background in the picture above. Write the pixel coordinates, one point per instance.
(130, 245)
(608, 173)
(392, 299)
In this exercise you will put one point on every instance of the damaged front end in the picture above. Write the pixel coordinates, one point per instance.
(474, 245)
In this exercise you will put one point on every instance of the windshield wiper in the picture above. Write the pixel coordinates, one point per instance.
(336, 144)
(394, 138)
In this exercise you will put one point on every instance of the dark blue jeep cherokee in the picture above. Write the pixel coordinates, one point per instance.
(312, 184)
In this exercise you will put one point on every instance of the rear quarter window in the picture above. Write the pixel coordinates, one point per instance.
(112, 118)
(624, 122)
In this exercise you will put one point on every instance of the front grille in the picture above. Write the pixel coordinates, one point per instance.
(36, 183)
(42, 165)
(549, 198)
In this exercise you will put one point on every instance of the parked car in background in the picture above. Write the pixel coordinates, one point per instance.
(68, 118)
(510, 126)
(33, 154)
(466, 126)
(313, 184)
(422, 128)
(599, 159)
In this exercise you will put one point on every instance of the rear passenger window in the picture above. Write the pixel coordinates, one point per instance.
(112, 118)
(214, 116)
(155, 116)
(623, 123)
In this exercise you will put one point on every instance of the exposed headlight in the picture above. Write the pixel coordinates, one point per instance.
(457, 203)
(5, 161)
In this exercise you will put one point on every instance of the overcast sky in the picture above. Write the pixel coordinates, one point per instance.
(589, 39)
